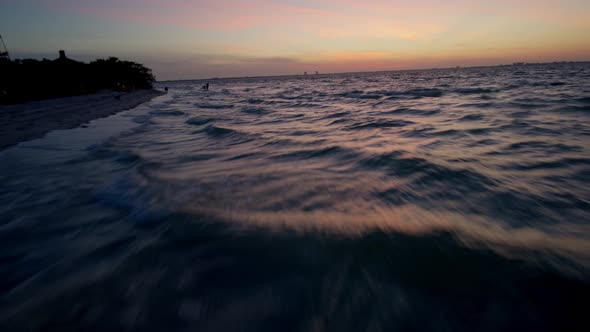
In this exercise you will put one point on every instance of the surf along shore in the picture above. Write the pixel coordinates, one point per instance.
(31, 120)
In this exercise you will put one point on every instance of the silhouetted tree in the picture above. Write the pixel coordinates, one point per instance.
(121, 75)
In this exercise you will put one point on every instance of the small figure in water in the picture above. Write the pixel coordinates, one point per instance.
(206, 87)
(166, 89)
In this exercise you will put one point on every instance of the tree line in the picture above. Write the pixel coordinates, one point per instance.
(29, 79)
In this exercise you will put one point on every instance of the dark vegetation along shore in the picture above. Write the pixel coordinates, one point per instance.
(37, 97)
(29, 79)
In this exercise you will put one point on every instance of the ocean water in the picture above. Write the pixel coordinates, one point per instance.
(437, 200)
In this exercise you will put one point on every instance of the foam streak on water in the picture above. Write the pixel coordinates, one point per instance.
(427, 200)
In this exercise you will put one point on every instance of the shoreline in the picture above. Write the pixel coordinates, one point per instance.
(32, 120)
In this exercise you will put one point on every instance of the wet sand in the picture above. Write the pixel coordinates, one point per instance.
(27, 121)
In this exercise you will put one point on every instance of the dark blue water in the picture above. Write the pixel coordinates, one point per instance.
(442, 200)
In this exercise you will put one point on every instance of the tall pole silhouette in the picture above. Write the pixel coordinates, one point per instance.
(4, 51)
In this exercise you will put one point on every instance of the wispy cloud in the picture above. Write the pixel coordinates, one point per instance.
(380, 30)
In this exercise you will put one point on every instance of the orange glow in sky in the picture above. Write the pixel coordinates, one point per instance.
(182, 39)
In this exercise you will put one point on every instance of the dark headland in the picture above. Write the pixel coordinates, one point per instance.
(38, 96)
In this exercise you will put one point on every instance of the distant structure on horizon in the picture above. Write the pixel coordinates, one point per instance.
(4, 55)
(63, 59)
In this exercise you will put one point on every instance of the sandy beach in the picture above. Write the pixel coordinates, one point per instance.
(23, 122)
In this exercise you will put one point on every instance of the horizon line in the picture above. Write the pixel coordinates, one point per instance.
(519, 63)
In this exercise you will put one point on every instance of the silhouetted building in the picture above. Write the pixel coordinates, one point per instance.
(63, 59)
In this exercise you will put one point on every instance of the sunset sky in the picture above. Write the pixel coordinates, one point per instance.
(183, 39)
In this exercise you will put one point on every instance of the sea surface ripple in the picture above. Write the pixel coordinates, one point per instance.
(443, 200)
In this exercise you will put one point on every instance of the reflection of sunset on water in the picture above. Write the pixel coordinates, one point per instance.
(294, 165)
